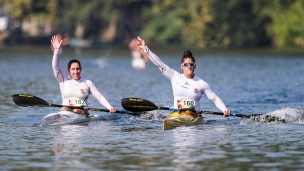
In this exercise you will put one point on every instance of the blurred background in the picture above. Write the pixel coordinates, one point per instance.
(249, 51)
(195, 23)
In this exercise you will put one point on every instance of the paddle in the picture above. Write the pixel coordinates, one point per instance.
(26, 100)
(128, 27)
(139, 104)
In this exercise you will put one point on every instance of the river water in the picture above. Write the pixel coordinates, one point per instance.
(247, 82)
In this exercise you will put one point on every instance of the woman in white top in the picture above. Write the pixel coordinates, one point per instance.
(187, 87)
(75, 90)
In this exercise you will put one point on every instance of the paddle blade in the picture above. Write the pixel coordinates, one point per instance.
(137, 104)
(27, 100)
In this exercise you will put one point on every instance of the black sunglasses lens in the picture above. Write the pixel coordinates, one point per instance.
(192, 64)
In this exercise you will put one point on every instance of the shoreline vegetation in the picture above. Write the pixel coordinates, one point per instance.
(203, 24)
(174, 50)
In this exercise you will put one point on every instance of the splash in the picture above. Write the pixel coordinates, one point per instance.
(152, 116)
(284, 115)
(290, 115)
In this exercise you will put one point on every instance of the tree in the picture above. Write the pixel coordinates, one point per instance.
(237, 23)
(177, 22)
(287, 24)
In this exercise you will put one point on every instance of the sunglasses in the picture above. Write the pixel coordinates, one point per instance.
(191, 64)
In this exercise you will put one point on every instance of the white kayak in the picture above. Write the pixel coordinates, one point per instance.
(67, 117)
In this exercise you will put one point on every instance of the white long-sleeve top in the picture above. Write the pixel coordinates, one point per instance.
(76, 92)
(183, 87)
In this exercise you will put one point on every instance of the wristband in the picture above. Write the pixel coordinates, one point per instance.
(57, 51)
(146, 49)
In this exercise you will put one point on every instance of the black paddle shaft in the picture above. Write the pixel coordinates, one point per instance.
(26, 100)
(140, 104)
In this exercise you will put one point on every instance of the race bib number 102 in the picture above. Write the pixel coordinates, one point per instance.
(77, 102)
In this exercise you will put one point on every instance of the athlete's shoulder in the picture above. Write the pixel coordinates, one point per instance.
(197, 78)
(87, 81)
(201, 81)
(177, 74)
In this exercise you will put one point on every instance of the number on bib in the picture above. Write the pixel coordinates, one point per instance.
(185, 103)
(74, 101)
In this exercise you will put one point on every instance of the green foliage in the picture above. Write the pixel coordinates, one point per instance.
(236, 24)
(93, 15)
(25, 9)
(287, 23)
(164, 30)
(177, 21)
(200, 23)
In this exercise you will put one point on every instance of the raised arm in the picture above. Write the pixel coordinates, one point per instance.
(154, 58)
(56, 43)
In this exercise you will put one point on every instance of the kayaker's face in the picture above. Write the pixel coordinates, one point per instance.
(75, 71)
(188, 66)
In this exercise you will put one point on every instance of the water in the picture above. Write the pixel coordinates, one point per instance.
(247, 83)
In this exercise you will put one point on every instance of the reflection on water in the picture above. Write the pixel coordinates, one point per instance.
(185, 144)
(246, 83)
(65, 147)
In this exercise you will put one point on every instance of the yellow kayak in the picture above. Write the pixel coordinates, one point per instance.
(176, 119)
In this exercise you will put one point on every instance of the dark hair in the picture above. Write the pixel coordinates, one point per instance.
(187, 54)
(73, 61)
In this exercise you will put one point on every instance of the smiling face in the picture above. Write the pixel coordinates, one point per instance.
(188, 70)
(75, 71)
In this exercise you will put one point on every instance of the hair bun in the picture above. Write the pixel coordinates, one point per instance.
(187, 53)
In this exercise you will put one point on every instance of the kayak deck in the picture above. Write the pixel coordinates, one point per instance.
(176, 119)
(67, 117)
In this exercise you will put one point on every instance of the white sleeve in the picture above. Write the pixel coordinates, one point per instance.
(218, 103)
(214, 98)
(98, 96)
(59, 75)
(164, 68)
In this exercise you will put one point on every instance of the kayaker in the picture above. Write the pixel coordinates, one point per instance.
(187, 87)
(139, 57)
(75, 90)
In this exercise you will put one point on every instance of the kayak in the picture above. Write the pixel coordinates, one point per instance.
(67, 118)
(176, 119)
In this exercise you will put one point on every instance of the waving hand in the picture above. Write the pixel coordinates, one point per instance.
(56, 42)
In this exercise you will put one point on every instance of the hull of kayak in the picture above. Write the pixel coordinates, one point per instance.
(176, 119)
(67, 117)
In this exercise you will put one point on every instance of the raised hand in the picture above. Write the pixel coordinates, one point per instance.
(56, 42)
(140, 42)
